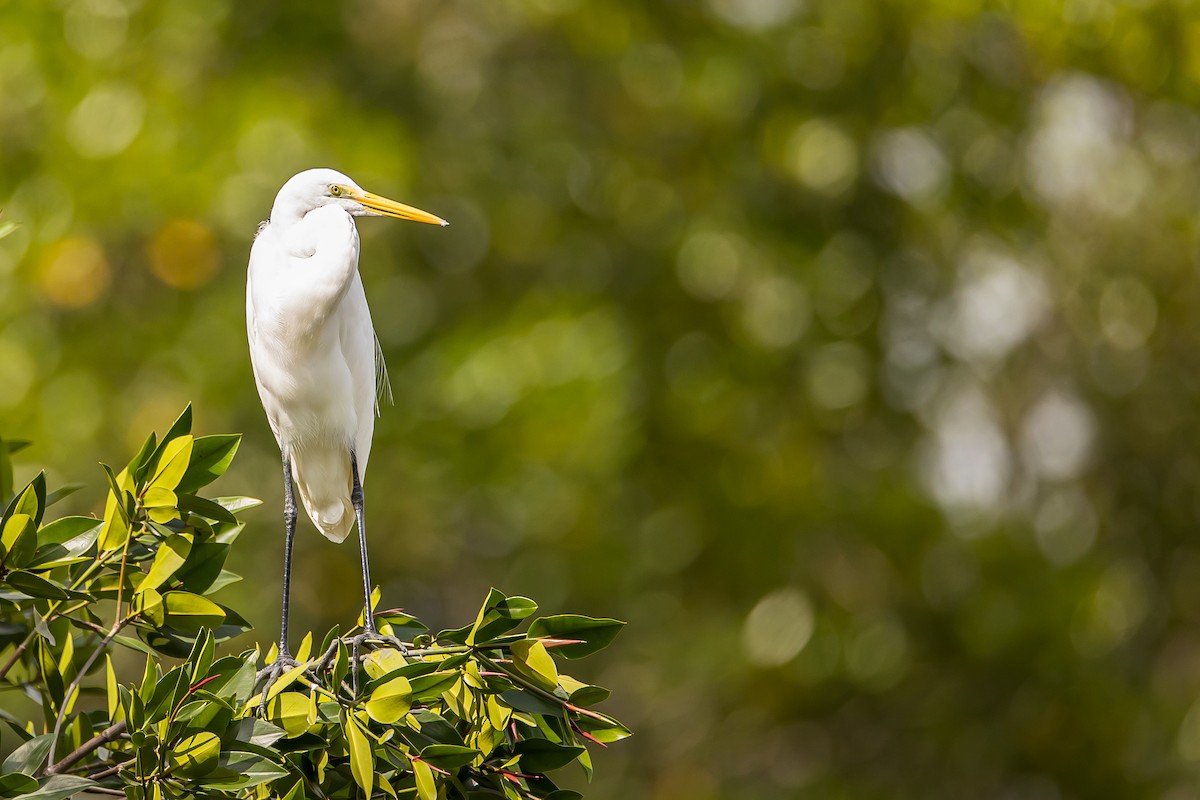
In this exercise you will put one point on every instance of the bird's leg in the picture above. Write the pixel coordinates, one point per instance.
(369, 633)
(284, 660)
(356, 499)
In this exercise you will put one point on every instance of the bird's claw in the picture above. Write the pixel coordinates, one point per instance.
(370, 636)
(272, 673)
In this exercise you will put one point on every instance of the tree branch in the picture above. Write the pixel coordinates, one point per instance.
(103, 737)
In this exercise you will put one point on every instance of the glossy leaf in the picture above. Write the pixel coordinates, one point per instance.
(191, 612)
(391, 701)
(426, 787)
(595, 633)
(499, 614)
(362, 760)
(289, 710)
(30, 756)
(14, 784)
(170, 557)
(211, 456)
(35, 585)
(535, 663)
(196, 755)
(540, 755)
(59, 787)
(172, 463)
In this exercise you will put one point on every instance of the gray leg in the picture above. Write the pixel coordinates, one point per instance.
(284, 661)
(356, 499)
(289, 535)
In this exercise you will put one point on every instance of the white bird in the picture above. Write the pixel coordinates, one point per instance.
(316, 360)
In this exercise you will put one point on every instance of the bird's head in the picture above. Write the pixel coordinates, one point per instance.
(314, 188)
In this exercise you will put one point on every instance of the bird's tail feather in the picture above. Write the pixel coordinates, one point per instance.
(323, 478)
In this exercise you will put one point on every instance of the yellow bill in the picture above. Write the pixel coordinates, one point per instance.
(390, 208)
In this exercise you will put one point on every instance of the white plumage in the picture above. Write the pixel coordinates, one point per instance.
(312, 345)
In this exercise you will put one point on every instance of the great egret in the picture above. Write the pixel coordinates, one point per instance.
(316, 360)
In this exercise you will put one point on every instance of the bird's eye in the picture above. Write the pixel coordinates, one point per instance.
(335, 190)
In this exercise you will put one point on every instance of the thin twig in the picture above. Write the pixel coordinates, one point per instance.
(113, 770)
(102, 738)
(117, 625)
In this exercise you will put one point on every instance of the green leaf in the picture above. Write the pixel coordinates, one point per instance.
(594, 633)
(205, 508)
(532, 661)
(19, 538)
(448, 756)
(429, 687)
(35, 585)
(59, 787)
(173, 463)
(289, 710)
(296, 792)
(110, 686)
(426, 788)
(30, 501)
(603, 729)
(140, 464)
(196, 755)
(541, 755)
(211, 456)
(362, 759)
(16, 445)
(499, 614)
(66, 490)
(286, 679)
(582, 694)
(191, 612)
(383, 662)
(390, 701)
(149, 604)
(180, 427)
(260, 733)
(77, 534)
(236, 504)
(171, 555)
(242, 770)
(203, 566)
(30, 756)
(16, 783)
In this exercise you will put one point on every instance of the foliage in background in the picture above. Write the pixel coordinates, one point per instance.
(848, 349)
(473, 712)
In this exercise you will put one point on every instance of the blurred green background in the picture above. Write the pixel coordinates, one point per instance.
(843, 347)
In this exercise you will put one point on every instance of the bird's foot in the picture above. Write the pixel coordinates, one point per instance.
(374, 640)
(272, 673)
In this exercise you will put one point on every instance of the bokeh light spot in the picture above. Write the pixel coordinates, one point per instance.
(839, 376)
(184, 254)
(1057, 435)
(74, 273)
(778, 627)
(106, 121)
(776, 311)
(1128, 313)
(709, 264)
(17, 372)
(822, 157)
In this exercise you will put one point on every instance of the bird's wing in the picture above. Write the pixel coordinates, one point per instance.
(383, 386)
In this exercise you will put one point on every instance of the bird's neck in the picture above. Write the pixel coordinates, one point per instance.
(287, 212)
